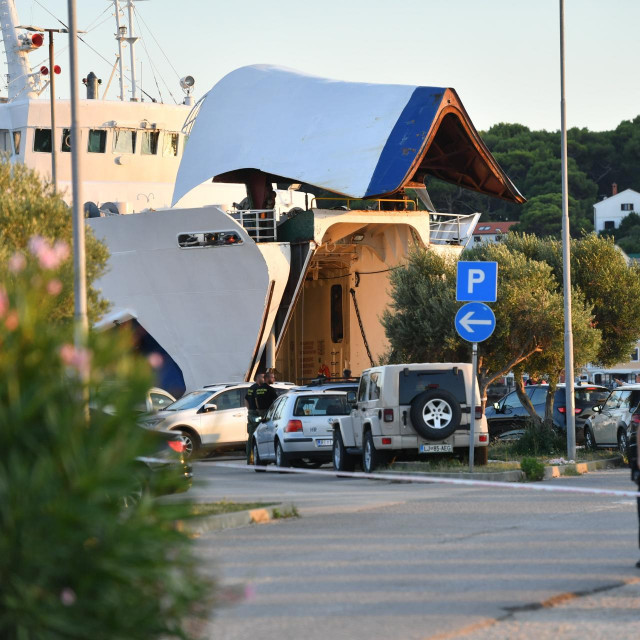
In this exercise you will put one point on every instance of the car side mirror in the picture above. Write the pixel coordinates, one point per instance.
(597, 408)
(209, 407)
(496, 406)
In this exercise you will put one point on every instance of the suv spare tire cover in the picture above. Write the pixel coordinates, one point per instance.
(435, 414)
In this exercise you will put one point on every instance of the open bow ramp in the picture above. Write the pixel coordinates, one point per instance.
(355, 139)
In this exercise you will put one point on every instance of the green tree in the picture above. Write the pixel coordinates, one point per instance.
(29, 208)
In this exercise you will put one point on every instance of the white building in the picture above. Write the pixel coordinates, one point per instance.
(609, 213)
(623, 371)
(490, 231)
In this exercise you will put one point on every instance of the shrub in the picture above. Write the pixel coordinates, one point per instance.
(533, 469)
(74, 562)
(539, 439)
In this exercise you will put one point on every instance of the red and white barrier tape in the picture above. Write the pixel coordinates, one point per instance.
(435, 480)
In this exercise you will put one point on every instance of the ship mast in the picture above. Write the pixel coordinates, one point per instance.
(20, 80)
(131, 39)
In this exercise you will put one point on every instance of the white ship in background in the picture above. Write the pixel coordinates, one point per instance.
(296, 276)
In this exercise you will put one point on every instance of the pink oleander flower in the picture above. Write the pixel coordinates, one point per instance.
(68, 597)
(78, 359)
(4, 302)
(54, 287)
(49, 257)
(155, 360)
(12, 321)
(17, 262)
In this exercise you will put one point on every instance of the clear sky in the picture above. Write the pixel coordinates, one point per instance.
(501, 56)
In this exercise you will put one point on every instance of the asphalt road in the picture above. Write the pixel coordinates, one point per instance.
(371, 559)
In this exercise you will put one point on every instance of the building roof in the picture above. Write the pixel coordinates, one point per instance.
(618, 195)
(492, 228)
(350, 138)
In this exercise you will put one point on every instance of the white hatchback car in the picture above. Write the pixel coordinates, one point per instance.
(299, 428)
(211, 418)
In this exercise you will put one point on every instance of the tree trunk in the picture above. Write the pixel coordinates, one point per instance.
(524, 398)
(551, 394)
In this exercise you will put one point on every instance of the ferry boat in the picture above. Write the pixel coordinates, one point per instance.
(226, 292)
(268, 240)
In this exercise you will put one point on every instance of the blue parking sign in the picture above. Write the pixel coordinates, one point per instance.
(475, 322)
(477, 282)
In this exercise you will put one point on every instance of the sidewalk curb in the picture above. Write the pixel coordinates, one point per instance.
(516, 475)
(235, 519)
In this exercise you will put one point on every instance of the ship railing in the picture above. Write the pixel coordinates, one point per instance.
(260, 224)
(452, 228)
(358, 204)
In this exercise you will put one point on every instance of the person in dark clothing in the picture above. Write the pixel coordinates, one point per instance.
(265, 393)
(253, 415)
(634, 464)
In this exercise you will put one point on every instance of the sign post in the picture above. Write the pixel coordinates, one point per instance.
(477, 282)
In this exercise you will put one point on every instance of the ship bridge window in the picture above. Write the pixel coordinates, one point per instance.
(42, 141)
(5, 141)
(204, 239)
(66, 140)
(149, 143)
(17, 138)
(170, 146)
(97, 141)
(124, 141)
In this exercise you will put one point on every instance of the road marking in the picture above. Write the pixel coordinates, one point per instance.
(436, 480)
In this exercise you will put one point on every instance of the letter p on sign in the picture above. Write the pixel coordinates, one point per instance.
(477, 282)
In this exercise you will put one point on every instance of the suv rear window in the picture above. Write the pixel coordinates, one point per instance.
(414, 382)
(324, 405)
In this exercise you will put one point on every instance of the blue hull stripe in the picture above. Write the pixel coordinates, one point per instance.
(405, 140)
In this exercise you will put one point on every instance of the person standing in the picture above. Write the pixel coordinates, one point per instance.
(265, 393)
(253, 415)
(634, 464)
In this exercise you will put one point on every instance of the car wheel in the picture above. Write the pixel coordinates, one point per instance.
(282, 459)
(342, 461)
(481, 456)
(257, 460)
(371, 457)
(191, 443)
(435, 414)
(589, 440)
(623, 442)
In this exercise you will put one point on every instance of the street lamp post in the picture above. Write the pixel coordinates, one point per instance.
(566, 259)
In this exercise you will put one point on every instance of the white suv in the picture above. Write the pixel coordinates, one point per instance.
(404, 410)
(209, 418)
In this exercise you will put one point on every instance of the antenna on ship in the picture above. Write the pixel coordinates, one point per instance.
(122, 36)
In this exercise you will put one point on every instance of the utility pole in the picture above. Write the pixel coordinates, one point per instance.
(566, 260)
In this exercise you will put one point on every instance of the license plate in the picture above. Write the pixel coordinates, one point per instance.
(436, 448)
(324, 443)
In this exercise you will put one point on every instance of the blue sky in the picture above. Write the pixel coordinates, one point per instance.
(502, 56)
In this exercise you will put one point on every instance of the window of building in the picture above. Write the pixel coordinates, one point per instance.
(42, 141)
(5, 141)
(17, 138)
(609, 224)
(97, 141)
(66, 140)
(124, 141)
(149, 143)
(477, 239)
(170, 146)
(634, 355)
(627, 206)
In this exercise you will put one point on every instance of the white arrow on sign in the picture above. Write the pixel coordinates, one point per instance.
(466, 322)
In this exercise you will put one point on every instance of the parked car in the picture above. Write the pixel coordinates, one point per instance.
(299, 427)
(405, 410)
(508, 414)
(210, 418)
(158, 399)
(611, 423)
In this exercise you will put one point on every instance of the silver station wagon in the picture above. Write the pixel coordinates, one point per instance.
(298, 429)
